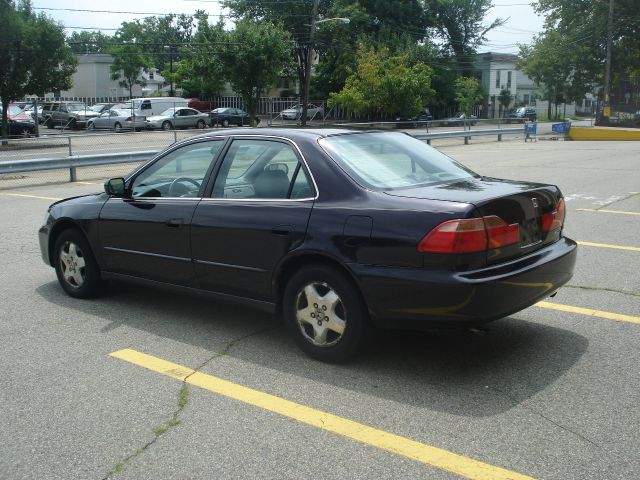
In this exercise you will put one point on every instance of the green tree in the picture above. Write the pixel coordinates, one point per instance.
(129, 57)
(385, 83)
(468, 93)
(504, 98)
(88, 42)
(460, 24)
(568, 58)
(33, 55)
(557, 68)
(293, 16)
(200, 73)
(253, 59)
(398, 26)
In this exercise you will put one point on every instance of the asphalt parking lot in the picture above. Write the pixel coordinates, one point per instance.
(141, 384)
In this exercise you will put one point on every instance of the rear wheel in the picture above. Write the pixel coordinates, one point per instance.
(75, 265)
(225, 123)
(325, 314)
(117, 127)
(200, 124)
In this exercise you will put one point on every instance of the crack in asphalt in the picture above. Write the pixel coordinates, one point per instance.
(183, 400)
(564, 428)
(515, 401)
(602, 289)
(631, 195)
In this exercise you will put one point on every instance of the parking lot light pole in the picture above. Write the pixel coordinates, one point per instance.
(310, 57)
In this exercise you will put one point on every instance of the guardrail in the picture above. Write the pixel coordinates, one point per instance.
(73, 162)
(470, 133)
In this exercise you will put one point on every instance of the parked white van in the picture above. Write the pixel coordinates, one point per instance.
(149, 106)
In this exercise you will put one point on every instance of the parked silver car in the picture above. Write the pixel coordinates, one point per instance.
(295, 112)
(117, 120)
(182, 117)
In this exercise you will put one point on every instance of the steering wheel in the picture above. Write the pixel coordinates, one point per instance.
(178, 181)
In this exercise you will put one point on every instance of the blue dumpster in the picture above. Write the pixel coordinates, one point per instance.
(561, 127)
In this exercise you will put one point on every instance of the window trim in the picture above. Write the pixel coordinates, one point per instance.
(207, 176)
(209, 189)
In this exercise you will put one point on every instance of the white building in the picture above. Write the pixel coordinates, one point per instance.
(92, 79)
(498, 72)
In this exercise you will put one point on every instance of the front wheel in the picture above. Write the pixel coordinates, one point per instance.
(325, 314)
(76, 267)
(225, 123)
(166, 125)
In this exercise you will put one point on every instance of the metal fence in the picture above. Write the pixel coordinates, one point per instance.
(620, 115)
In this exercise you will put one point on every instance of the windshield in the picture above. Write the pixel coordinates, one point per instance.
(76, 106)
(168, 112)
(385, 161)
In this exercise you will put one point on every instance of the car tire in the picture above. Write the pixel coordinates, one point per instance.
(200, 125)
(25, 133)
(91, 126)
(317, 291)
(166, 125)
(225, 123)
(76, 267)
(117, 127)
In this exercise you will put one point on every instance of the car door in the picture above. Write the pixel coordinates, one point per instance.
(180, 118)
(257, 211)
(147, 233)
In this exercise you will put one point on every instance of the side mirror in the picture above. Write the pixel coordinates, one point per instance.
(115, 187)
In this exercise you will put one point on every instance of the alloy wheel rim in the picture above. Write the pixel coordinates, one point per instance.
(321, 314)
(72, 264)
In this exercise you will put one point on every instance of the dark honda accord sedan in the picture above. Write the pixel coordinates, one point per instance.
(339, 230)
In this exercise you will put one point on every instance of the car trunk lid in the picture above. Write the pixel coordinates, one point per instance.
(514, 202)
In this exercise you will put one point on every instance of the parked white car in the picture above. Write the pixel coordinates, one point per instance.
(178, 118)
(295, 112)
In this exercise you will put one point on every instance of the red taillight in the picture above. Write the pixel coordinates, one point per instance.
(470, 235)
(500, 233)
(554, 220)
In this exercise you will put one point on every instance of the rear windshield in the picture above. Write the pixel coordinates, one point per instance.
(386, 161)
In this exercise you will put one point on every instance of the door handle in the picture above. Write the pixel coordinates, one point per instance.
(283, 230)
(175, 222)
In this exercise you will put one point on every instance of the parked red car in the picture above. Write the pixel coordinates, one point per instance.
(202, 105)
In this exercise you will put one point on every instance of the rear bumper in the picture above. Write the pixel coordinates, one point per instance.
(419, 298)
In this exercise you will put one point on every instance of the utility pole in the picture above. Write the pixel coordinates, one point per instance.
(310, 57)
(607, 74)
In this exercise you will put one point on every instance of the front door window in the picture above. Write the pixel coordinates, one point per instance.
(179, 173)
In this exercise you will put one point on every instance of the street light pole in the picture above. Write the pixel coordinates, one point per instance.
(307, 73)
(607, 73)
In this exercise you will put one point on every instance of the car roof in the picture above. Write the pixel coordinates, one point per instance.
(289, 133)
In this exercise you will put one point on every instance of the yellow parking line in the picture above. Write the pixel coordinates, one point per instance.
(29, 196)
(436, 457)
(587, 311)
(606, 245)
(621, 212)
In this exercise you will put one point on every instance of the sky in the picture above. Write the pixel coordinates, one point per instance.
(522, 22)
